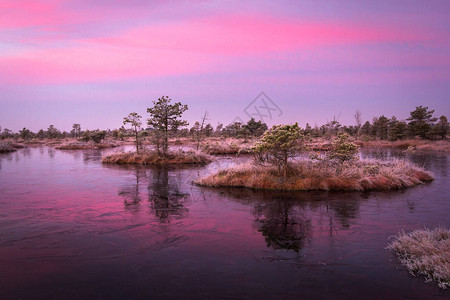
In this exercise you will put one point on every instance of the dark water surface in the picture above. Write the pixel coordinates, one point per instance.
(72, 228)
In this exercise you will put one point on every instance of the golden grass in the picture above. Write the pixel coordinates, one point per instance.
(152, 158)
(425, 252)
(310, 175)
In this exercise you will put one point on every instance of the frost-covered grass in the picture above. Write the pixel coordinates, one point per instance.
(153, 158)
(83, 145)
(227, 146)
(422, 145)
(313, 175)
(6, 148)
(425, 252)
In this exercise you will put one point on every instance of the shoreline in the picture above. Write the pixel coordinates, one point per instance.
(153, 158)
(366, 175)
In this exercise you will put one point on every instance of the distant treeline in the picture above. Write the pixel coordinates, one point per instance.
(421, 124)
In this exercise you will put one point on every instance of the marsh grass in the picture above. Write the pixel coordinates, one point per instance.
(7, 148)
(83, 145)
(227, 147)
(421, 145)
(153, 158)
(312, 175)
(425, 252)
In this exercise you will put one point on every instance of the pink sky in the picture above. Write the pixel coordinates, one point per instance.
(64, 62)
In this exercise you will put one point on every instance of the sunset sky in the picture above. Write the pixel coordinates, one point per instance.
(93, 62)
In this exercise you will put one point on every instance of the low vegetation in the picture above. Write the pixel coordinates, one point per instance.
(83, 145)
(416, 144)
(322, 175)
(155, 158)
(6, 148)
(425, 252)
(227, 147)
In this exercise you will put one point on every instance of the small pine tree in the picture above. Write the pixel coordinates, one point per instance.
(421, 120)
(165, 118)
(135, 120)
(279, 144)
(343, 150)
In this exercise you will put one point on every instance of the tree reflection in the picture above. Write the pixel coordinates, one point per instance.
(131, 193)
(286, 219)
(283, 225)
(164, 196)
(345, 210)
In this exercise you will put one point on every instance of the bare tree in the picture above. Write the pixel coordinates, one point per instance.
(358, 121)
(199, 133)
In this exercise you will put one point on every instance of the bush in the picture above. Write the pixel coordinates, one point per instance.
(343, 150)
(96, 136)
(279, 144)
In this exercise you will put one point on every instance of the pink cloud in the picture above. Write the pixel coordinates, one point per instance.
(226, 43)
(238, 34)
(96, 63)
(20, 14)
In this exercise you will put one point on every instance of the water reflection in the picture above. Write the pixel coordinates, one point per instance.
(286, 220)
(51, 152)
(67, 224)
(164, 195)
(92, 156)
(283, 225)
(130, 192)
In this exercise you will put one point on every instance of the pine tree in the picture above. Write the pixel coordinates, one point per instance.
(421, 120)
(165, 118)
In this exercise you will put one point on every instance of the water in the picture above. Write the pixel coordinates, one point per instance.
(73, 228)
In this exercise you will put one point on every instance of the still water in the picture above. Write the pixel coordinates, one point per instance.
(72, 228)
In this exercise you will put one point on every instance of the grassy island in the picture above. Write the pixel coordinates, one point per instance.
(84, 145)
(153, 158)
(339, 169)
(311, 175)
(7, 148)
(425, 252)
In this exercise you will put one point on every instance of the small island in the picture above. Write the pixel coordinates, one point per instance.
(7, 148)
(310, 175)
(154, 158)
(338, 169)
(165, 118)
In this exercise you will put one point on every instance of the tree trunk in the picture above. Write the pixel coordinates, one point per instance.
(137, 141)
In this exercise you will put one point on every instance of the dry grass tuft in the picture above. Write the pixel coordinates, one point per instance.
(152, 158)
(425, 252)
(311, 175)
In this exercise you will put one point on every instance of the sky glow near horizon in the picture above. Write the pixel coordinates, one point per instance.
(93, 62)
